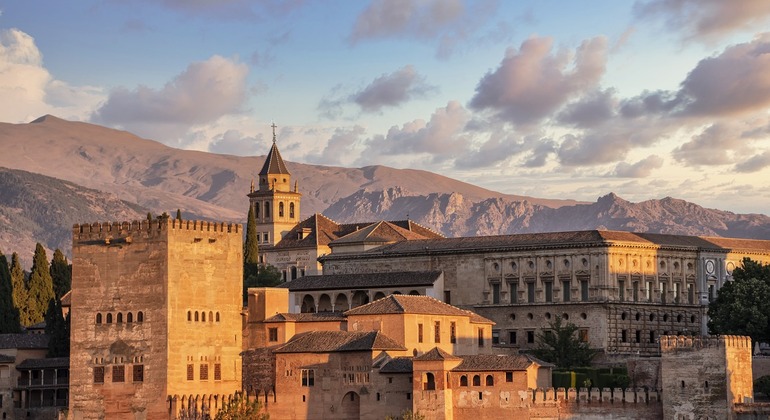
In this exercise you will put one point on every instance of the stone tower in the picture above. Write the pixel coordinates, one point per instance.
(156, 318)
(276, 202)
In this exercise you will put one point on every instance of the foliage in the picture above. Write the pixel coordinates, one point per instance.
(250, 253)
(561, 347)
(20, 292)
(61, 274)
(742, 306)
(268, 276)
(762, 385)
(407, 415)
(242, 409)
(149, 216)
(9, 314)
(40, 286)
(57, 328)
(179, 215)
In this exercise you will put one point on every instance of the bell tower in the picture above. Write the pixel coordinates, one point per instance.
(275, 202)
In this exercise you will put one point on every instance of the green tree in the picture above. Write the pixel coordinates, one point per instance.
(762, 385)
(179, 214)
(268, 276)
(742, 306)
(250, 253)
(20, 291)
(40, 286)
(9, 314)
(61, 274)
(149, 216)
(561, 347)
(407, 415)
(242, 409)
(57, 328)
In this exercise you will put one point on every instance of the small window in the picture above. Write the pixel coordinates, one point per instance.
(495, 336)
(291, 213)
(190, 372)
(129, 317)
(217, 371)
(530, 337)
(211, 316)
(419, 333)
(476, 380)
(98, 318)
(481, 337)
(99, 374)
(119, 373)
(203, 316)
(308, 377)
(429, 383)
(512, 337)
(138, 373)
(140, 316)
(508, 376)
(452, 332)
(120, 318)
(624, 336)
(408, 395)
(272, 334)
(217, 316)
(109, 318)
(490, 380)
(197, 317)
(189, 315)
(437, 332)
(464, 380)
(204, 373)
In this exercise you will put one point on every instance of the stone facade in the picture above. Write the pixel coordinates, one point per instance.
(156, 311)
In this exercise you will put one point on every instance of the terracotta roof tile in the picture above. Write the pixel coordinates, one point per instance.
(435, 354)
(339, 341)
(307, 317)
(398, 304)
(50, 362)
(367, 280)
(398, 365)
(23, 341)
(494, 362)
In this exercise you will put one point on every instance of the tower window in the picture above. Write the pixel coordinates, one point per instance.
(267, 209)
(280, 209)
(291, 210)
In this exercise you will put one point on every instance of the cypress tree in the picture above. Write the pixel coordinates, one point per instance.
(179, 215)
(61, 274)
(57, 329)
(250, 253)
(20, 292)
(9, 314)
(40, 286)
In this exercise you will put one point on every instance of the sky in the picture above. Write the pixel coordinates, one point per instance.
(551, 99)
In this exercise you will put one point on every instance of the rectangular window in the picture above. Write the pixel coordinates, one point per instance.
(690, 293)
(584, 290)
(408, 395)
(119, 373)
(652, 336)
(437, 332)
(190, 372)
(138, 373)
(496, 293)
(452, 332)
(621, 290)
(204, 372)
(419, 333)
(514, 292)
(635, 291)
(265, 238)
(649, 291)
(676, 292)
(447, 297)
(508, 376)
(638, 337)
(308, 377)
(530, 337)
(481, 337)
(663, 292)
(711, 293)
(531, 292)
(273, 334)
(99, 374)
(217, 371)
(583, 335)
(624, 336)
(495, 336)
(512, 337)
(548, 291)
(566, 292)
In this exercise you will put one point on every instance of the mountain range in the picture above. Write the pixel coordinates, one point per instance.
(62, 172)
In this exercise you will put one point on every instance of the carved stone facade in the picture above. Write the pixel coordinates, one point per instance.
(156, 311)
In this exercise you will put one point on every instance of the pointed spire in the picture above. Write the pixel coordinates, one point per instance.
(273, 162)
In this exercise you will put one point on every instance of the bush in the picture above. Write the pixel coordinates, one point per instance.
(611, 380)
(563, 379)
(762, 385)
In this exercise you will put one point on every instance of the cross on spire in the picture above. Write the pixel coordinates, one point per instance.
(274, 127)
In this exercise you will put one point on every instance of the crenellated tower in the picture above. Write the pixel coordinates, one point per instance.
(276, 201)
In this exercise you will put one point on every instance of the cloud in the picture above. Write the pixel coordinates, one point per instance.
(723, 142)
(610, 142)
(27, 88)
(391, 90)
(545, 148)
(204, 92)
(232, 9)
(233, 142)
(755, 163)
(532, 83)
(338, 146)
(641, 169)
(590, 110)
(706, 19)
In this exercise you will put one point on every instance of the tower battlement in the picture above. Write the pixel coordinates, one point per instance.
(107, 230)
(675, 343)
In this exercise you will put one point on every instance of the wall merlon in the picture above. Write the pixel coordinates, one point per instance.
(108, 230)
(595, 396)
(674, 343)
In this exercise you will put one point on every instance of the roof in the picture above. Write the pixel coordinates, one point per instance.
(435, 354)
(307, 317)
(23, 341)
(274, 163)
(365, 280)
(66, 300)
(378, 232)
(339, 341)
(555, 240)
(407, 304)
(398, 365)
(51, 362)
(7, 359)
(496, 362)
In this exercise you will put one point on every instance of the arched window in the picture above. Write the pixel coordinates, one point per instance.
(109, 318)
(476, 380)
(203, 316)
(217, 316)
(280, 209)
(189, 315)
(196, 316)
(464, 380)
(267, 209)
(211, 316)
(429, 382)
(140, 317)
(293, 273)
(490, 380)
(129, 317)
(98, 318)
(120, 318)
(256, 210)
(291, 210)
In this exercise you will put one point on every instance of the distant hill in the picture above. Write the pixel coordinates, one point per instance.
(103, 174)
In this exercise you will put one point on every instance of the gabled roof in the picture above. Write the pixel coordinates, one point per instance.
(24, 341)
(274, 163)
(407, 304)
(307, 317)
(364, 280)
(379, 232)
(339, 341)
(398, 365)
(495, 362)
(435, 354)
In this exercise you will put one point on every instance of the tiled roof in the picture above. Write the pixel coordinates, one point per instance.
(399, 304)
(51, 362)
(7, 359)
(66, 300)
(338, 341)
(493, 362)
(307, 317)
(379, 232)
(23, 341)
(398, 365)
(555, 240)
(274, 163)
(435, 354)
(366, 280)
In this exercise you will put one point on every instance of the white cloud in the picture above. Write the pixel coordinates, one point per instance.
(640, 169)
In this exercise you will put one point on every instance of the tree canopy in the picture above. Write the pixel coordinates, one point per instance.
(242, 409)
(250, 253)
(40, 286)
(560, 346)
(61, 274)
(742, 306)
(58, 329)
(20, 293)
(9, 314)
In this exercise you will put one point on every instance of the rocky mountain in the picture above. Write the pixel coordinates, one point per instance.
(89, 173)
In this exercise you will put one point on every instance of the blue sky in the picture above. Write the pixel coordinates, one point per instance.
(559, 99)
